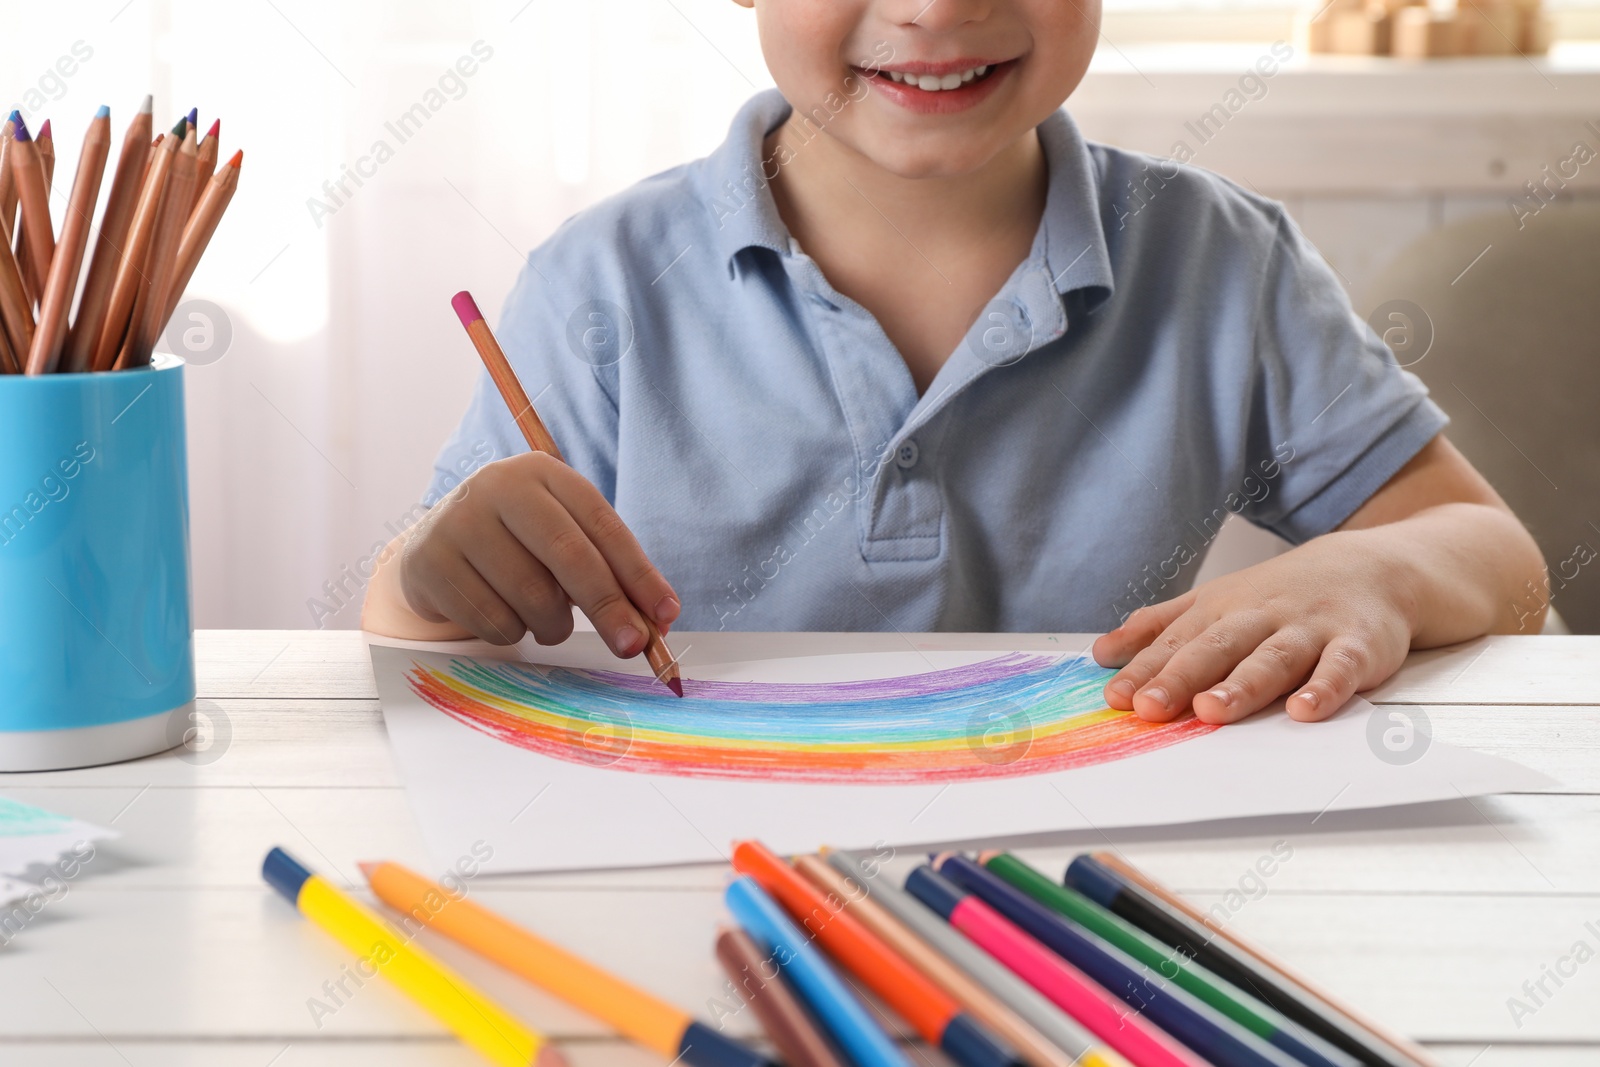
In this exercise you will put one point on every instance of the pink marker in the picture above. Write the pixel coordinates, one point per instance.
(1105, 1016)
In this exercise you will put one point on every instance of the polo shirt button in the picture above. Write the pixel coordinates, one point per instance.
(905, 457)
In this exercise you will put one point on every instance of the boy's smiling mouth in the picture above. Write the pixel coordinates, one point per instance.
(939, 88)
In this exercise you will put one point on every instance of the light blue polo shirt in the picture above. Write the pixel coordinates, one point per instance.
(1171, 351)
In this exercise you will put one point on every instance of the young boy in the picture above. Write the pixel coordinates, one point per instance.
(907, 353)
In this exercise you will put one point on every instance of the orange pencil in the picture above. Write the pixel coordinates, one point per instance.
(130, 268)
(660, 658)
(1037, 1049)
(62, 282)
(154, 291)
(33, 192)
(124, 197)
(213, 202)
(932, 1012)
(653, 1023)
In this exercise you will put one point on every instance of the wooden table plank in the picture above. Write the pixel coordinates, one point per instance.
(240, 962)
(1529, 846)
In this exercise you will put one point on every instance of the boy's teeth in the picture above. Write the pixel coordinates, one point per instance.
(935, 83)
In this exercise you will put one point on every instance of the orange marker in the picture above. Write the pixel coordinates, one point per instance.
(932, 1012)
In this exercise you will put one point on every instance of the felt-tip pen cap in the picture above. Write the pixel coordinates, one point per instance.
(285, 874)
(934, 890)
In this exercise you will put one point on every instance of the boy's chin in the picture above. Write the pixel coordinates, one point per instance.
(923, 158)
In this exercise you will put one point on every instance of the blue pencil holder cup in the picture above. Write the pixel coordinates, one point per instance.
(96, 648)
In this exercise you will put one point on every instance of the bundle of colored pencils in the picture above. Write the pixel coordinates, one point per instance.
(164, 205)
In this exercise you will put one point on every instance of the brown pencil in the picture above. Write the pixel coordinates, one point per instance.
(214, 198)
(16, 313)
(8, 182)
(660, 658)
(206, 163)
(148, 318)
(755, 975)
(33, 193)
(8, 362)
(125, 186)
(62, 282)
(47, 160)
(130, 269)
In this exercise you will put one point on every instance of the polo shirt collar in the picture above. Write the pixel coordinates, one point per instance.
(743, 214)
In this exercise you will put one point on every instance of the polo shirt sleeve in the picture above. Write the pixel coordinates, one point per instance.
(574, 397)
(1331, 414)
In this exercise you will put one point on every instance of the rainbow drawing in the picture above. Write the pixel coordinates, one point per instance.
(1014, 714)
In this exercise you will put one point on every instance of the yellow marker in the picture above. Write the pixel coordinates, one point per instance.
(471, 1016)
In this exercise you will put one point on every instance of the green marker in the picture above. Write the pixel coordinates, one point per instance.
(1165, 962)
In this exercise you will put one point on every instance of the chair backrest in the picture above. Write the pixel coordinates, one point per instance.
(1500, 316)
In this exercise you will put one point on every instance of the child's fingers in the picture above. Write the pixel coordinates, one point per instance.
(1119, 692)
(1281, 660)
(458, 592)
(522, 582)
(644, 585)
(1202, 662)
(558, 542)
(1118, 647)
(1341, 671)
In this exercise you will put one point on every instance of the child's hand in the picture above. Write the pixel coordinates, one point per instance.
(1332, 610)
(523, 540)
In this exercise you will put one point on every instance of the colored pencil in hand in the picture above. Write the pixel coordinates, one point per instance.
(126, 183)
(1035, 1048)
(780, 940)
(130, 268)
(62, 281)
(660, 658)
(33, 193)
(1129, 1032)
(448, 997)
(654, 1023)
(759, 981)
(931, 1012)
(1125, 891)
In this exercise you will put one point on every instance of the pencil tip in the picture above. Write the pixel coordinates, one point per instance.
(676, 685)
(238, 157)
(148, 106)
(466, 308)
(177, 128)
(367, 869)
(103, 113)
(194, 116)
(22, 128)
(44, 131)
(216, 128)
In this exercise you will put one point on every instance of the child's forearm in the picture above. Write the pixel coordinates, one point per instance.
(1464, 570)
(385, 610)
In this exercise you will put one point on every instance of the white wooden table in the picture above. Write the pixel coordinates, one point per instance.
(168, 949)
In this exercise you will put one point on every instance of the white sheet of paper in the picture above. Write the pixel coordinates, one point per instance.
(32, 837)
(540, 813)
